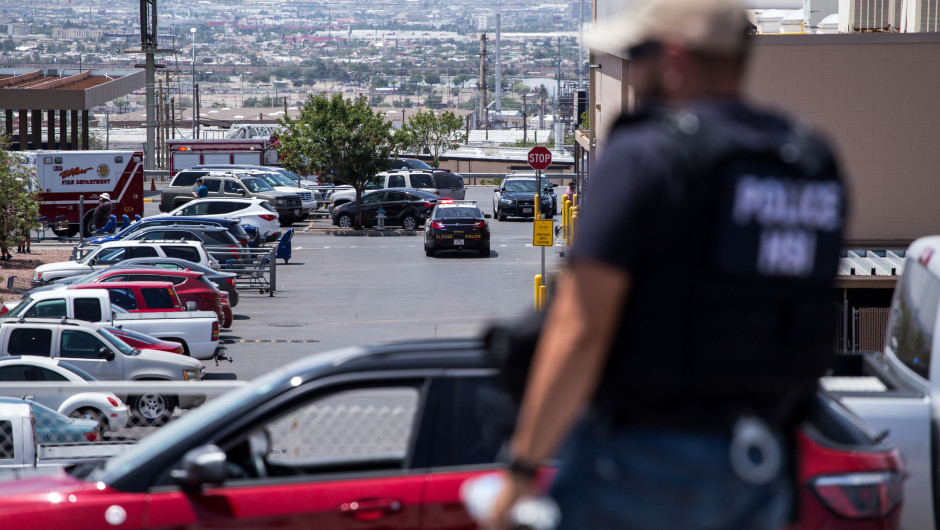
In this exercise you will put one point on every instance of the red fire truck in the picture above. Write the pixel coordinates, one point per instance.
(68, 178)
(188, 153)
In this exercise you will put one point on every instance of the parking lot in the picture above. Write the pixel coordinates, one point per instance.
(338, 291)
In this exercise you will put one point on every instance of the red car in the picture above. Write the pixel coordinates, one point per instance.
(379, 437)
(191, 286)
(226, 311)
(143, 341)
(139, 297)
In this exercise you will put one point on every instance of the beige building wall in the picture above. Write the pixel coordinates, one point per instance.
(877, 96)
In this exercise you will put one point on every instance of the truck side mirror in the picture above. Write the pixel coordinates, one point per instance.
(105, 353)
(241, 192)
(201, 465)
(190, 306)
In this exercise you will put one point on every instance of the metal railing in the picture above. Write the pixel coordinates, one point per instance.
(257, 269)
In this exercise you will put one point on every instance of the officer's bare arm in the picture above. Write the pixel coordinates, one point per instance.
(569, 358)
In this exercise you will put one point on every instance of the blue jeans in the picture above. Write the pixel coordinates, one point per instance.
(626, 478)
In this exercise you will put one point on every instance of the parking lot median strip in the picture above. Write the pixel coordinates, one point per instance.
(268, 341)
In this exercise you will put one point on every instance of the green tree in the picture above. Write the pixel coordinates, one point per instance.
(20, 212)
(337, 135)
(432, 78)
(435, 133)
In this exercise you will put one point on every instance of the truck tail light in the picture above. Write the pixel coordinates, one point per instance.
(215, 330)
(268, 217)
(230, 281)
(3, 310)
(859, 495)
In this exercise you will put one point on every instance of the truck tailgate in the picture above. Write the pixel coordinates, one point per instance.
(908, 423)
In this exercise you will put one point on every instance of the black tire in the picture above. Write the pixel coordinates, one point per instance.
(152, 409)
(86, 221)
(500, 215)
(89, 413)
(409, 222)
(344, 221)
(429, 252)
(485, 251)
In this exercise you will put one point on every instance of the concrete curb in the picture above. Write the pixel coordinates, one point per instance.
(374, 233)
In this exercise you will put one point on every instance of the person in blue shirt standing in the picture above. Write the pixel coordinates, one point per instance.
(201, 189)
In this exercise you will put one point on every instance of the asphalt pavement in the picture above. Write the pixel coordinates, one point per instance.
(343, 291)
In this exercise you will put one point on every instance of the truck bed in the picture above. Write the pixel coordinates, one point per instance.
(901, 413)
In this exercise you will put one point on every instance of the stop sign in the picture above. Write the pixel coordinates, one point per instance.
(540, 157)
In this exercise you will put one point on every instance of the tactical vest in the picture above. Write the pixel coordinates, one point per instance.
(734, 311)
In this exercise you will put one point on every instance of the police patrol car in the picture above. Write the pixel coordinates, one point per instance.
(456, 225)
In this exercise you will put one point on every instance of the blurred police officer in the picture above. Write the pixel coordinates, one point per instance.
(686, 338)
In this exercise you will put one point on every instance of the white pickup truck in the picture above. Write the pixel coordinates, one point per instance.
(21, 446)
(197, 331)
(93, 349)
(897, 391)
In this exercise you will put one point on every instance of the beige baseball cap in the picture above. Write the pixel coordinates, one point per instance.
(711, 26)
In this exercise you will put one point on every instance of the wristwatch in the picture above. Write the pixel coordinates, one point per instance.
(522, 469)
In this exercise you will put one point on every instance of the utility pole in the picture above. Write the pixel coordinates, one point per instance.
(481, 104)
(499, 84)
(525, 120)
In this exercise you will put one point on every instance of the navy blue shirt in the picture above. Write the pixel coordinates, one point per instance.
(731, 265)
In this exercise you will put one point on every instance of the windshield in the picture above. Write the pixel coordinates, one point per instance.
(418, 164)
(26, 302)
(519, 185)
(290, 175)
(277, 179)
(255, 185)
(117, 343)
(77, 371)
(458, 212)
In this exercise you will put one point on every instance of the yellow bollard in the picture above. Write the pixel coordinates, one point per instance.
(543, 297)
(574, 223)
(538, 285)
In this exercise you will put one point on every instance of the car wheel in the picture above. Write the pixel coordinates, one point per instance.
(409, 222)
(88, 413)
(500, 215)
(152, 409)
(345, 221)
(429, 251)
(485, 251)
(287, 221)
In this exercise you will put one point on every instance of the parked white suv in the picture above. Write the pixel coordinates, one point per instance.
(112, 252)
(249, 212)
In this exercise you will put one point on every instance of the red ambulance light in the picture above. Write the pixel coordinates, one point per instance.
(184, 148)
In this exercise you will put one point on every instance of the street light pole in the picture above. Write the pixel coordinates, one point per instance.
(192, 32)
